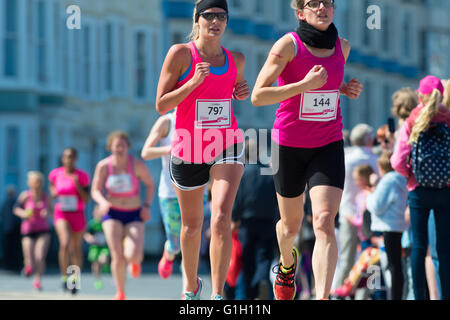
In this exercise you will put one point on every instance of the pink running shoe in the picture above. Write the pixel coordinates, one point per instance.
(165, 267)
(27, 271)
(135, 270)
(343, 291)
(120, 295)
(37, 285)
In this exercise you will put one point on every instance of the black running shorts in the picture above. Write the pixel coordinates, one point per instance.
(191, 176)
(323, 166)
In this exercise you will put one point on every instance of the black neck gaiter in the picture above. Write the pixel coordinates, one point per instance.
(316, 38)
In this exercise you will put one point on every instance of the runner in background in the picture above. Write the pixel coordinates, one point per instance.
(34, 208)
(69, 186)
(116, 189)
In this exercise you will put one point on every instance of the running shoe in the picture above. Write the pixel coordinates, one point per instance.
(284, 287)
(120, 295)
(37, 285)
(27, 271)
(98, 284)
(196, 294)
(135, 270)
(343, 291)
(165, 267)
(218, 297)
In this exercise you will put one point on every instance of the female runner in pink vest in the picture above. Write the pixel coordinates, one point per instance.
(34, 207)
(116, 189)
(69, 187)
(201, 78)
(309, 65)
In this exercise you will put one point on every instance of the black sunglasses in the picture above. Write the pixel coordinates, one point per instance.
(221, 16)
(315, 4)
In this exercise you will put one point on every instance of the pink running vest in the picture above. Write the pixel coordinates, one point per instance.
(35, 223)
(312, 119)
(124, 185)
(205, 125)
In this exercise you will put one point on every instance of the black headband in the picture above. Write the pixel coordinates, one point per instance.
(207, 4)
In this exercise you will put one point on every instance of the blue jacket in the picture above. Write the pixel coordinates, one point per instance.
(388, 202)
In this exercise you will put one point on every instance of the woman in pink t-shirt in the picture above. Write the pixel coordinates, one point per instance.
(201, 78)
(308, 145)
(34, 207)
(69, 187)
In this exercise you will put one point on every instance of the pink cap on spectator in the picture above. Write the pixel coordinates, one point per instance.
(429, 83)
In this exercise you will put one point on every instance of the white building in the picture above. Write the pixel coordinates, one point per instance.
(63, 87)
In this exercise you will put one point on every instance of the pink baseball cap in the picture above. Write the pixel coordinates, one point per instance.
(429, 83)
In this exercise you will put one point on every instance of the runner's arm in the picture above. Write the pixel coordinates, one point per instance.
(158, 131)
(167, 98)
(264, 93)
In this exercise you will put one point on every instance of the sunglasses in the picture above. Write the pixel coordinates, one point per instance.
(210, 16)
(315, 4)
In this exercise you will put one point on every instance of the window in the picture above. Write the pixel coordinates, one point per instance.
(31, 39)
(122, 59)
(57, 45)
(437, 60)
(141, 67)
(12, 155)
(237, 4)
(65, 54)
(100, 61)
(77, 56)
(406, 38)
(177, 37)
(11, 42)
(259, 7)
(285, 10)
(386, 34)
(109, 57)
(42, 44)
(155, 61)
(366, 31)
(87, 60)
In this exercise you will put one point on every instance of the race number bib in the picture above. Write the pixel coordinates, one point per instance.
(120, 183)
(319, 105)
(214, 113)
(68, 203)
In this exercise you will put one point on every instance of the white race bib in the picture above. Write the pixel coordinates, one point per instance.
(119, 183)
(213, 113)
(319, 105)
(68, 203)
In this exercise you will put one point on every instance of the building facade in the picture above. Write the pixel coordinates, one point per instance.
(62, 87)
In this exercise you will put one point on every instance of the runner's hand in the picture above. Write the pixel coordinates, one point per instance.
(352, 89)
(316, 78)
(201, 72)
(103, 208)
(241, 91)
(145, 214)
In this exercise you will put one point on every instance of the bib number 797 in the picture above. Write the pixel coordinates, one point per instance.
(215, 110)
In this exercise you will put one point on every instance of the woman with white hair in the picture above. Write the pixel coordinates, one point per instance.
(33, 207)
